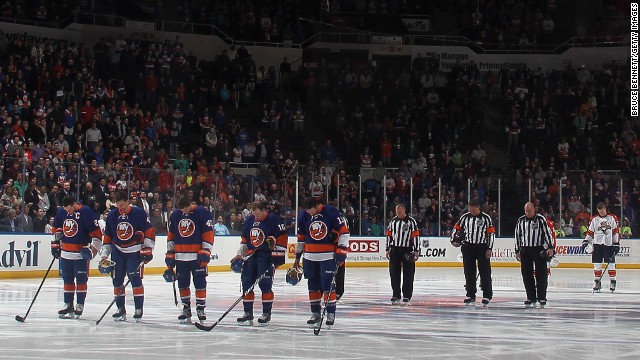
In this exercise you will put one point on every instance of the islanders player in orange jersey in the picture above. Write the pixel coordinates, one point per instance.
(76, 240)
(129, 238)
(323, 238)
(189, 245)
(263, 247)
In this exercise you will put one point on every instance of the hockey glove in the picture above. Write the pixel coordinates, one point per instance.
(55, 249)
(169, 275)
(204, 256)
(615, 248)
(585, 242)
(87, 254)
(170, 259)
(146, 254)
(341, 255)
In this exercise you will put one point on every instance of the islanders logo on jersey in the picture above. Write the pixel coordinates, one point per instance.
(186, 228)
(256, 236)
(318, 230)
(124, 231)
(70, 228)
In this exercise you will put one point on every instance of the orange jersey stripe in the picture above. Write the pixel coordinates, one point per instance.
(188, 248)
(150, 234)
(249, 296)
(415, 233)
(282, 240)
(71, 247)
(207, 236)
(106, 239)
(97, 233)
(318, 248)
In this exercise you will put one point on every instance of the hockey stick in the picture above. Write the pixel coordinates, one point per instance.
(116, 297)
(606, 266)
(175, 294)
(210, 327)
(23, 318)
(316, 329)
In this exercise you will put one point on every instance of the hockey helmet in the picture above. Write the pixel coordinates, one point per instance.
(457, 238)
(294, 275)
(105, 266)
(236, 265)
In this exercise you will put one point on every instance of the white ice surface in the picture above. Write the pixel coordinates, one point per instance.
(575, 325)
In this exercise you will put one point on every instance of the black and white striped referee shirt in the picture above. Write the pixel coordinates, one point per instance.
(532, 232)
(477, 229)
(403, 233)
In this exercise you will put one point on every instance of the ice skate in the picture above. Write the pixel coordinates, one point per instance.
(120, 315)
(315, 318)
(137, 315)
(529, 303)
(395, 301)
(331, 319)
(201, 315)
(264, 319)
(597, 286)
(185, 316)
(612, 286)
(66, 312)
(78, 310)
(485, 303)
(246, 319)
(542, 303)
(469, 301)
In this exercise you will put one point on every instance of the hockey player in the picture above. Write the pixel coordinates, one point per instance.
(604, 233)
(76, 240)
(189, 244)
(323, 237)
(263, 246)
(129, 238)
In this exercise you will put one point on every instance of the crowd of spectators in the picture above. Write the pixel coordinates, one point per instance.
(150, 118)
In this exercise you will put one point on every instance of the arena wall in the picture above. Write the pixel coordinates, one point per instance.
(24, 256)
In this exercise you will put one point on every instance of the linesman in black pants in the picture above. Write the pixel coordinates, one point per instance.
(402, 249)
(474, 231)
(534, 244)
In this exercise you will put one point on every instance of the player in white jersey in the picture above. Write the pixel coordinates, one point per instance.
(604, 234)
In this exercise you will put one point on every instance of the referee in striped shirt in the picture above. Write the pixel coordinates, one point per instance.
(534, 244)
(477, 246)
(402, 251)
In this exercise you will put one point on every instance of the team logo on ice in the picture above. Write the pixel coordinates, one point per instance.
(69, 228)
(256, 236)
(318, 230)
(124, 231)
(186, 227)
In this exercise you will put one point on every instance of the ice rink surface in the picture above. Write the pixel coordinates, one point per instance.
(576, 324)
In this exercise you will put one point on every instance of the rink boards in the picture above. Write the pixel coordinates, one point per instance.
(23, 256)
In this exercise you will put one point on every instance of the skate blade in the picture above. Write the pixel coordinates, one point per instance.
(186, 321)
(120, 319)
(66, 316)
(263, 324)
(245, 323)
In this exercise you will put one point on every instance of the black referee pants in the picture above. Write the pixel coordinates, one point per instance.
(472, 254)
(530, 257)
(401, 264)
